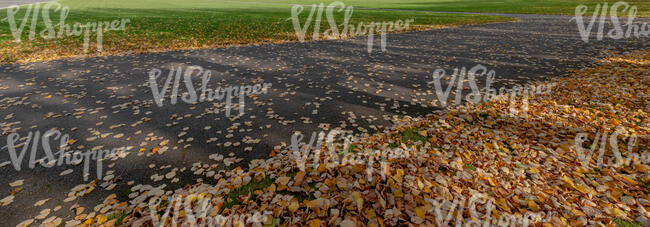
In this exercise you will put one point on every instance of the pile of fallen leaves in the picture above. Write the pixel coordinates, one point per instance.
(516, 163)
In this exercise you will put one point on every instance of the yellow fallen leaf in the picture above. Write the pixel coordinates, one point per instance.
(101, 219)
(628, 180)
(568, 181)
(577, 212)
(419, 212)
(564, 147)
(492, 181)
(617, 212)
(639, 167)
(582, 189)
(356, 196)
(312, 204)
(502, 204)
(532, 205)
(397, 192)
(293, 206)
(315, 223)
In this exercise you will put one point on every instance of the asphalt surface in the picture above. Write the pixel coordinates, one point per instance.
(107, 101)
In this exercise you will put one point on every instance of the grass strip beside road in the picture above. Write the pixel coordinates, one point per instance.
(162, 25)
(562, 7)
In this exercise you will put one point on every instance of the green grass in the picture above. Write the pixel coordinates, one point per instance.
(408, 136)
(349, 150)
(646, 185)
(231, 198)
(623, 223)
(172, 24)
(299, 196)
(126, 193)
(490, 6)
(411, 135)
(119, 216)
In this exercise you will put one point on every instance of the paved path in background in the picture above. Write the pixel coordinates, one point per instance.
(106, 101)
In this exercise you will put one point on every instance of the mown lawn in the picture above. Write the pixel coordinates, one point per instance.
(170, 25)
(566, 7)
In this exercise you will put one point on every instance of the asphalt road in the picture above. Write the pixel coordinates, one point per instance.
(107, 101)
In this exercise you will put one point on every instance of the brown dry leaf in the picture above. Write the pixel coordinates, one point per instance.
(300, 176)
